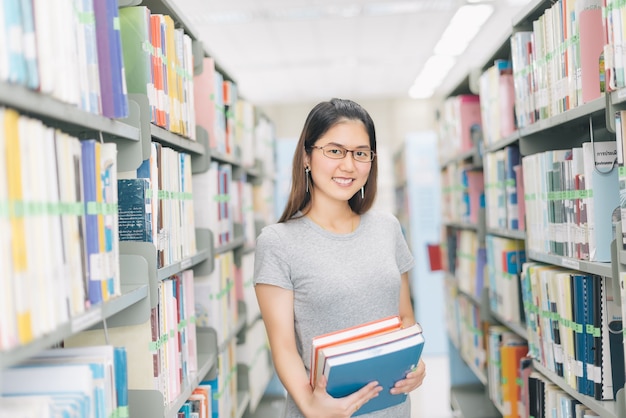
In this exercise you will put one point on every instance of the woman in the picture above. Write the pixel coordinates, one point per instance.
(330, 262)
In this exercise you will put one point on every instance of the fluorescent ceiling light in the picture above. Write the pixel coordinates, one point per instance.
(463, 27)
(434, 71)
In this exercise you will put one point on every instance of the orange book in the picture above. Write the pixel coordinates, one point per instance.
(510, 358)
(357, 332)
(157, 68)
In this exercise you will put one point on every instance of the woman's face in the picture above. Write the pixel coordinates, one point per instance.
(340, 179)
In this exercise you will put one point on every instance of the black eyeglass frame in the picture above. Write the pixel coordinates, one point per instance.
(352, 151)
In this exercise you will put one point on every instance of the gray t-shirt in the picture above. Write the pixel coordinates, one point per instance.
(338, 280)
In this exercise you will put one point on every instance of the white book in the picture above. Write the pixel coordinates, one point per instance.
(100, 359)
(601, 183)
(77, 381)
(30, 144)
(55, 266)
(68, 150)
(109, 183)
(26, 406)
(61, 17)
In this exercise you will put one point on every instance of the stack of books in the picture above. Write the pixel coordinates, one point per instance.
(379, 351)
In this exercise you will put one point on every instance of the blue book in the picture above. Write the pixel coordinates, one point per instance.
(580, 308)
(589, 331)
(121, 381)
(385, 358)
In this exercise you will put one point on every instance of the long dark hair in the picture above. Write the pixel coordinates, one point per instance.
(322, 117)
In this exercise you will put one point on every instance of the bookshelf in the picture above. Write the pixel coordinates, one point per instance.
(563, 128)
(140, 271)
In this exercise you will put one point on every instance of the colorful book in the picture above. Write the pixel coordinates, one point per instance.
(367, 329)
(385, 358)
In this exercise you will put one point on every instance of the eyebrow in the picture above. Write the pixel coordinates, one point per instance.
(364, 147)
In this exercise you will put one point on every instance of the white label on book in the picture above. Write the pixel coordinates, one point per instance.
(90, 318)
(597, 374)
(578, 368)
(558, 353)
(570, 263)
(591, 372)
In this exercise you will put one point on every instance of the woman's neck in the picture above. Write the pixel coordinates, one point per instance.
(342, 221)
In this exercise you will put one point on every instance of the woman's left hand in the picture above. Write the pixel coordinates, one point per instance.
(412, 381)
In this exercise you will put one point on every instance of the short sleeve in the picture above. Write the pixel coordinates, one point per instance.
(270, 265)
(404, 257)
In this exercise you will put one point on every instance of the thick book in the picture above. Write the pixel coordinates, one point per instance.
(385, 358)
(364, 330)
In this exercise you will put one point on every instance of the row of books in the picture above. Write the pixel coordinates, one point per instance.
(158, 61)
(216, 297)
(505, 258)
(60, 227)
(156, 204)
(541, 398)
(69, 51)
(572, 199)
(505, 350)
(574, 325)
(504, 189)
(94, 384)
(217, 197)
(199, 404)
(462, 193)
(228, 119)
(471, 260)
(561, 63)
(497, 102)
(459, 128)
(525, 391)
(162, 351)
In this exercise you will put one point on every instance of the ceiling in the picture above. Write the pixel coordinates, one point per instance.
(287, 51)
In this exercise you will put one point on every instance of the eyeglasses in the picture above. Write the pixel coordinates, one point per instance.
(337, 152)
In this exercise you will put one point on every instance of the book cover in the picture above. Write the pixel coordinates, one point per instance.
(91, 181)
(348, 334)
(385, 363)
(602, 186)
(591, 35)
(121, 381)
(135, 210)
(21, 275)
(135, 37)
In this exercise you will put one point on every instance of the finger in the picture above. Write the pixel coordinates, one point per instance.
(321, 383)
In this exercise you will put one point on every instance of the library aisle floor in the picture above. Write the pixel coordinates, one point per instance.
(432, 400)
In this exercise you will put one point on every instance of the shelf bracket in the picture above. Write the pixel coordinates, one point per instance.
(609, 113)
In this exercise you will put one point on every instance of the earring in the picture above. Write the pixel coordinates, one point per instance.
(307, 170)
(362, 191)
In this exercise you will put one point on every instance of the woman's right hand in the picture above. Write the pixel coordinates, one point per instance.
(322, 405)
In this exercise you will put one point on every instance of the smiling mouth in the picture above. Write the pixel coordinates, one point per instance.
(343, 181)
